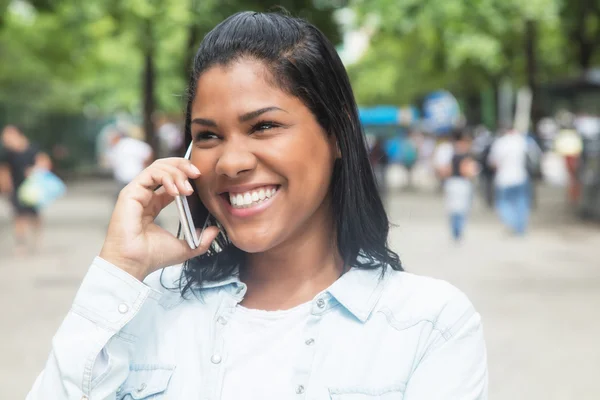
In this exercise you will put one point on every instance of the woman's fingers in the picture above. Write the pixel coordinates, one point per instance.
(172, 174)
(180, 179)
(184, 252)
(180, 170)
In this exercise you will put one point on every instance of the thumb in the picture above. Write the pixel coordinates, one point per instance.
(206, 238)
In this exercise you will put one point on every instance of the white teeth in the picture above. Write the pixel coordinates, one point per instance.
(250, 198)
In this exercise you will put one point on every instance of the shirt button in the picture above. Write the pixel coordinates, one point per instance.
(310, 341)
(299, 389)
(123, 308)
(222, 321)
(215, 359)
(320, 303)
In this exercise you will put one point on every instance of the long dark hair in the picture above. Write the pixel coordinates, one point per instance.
(303, 63)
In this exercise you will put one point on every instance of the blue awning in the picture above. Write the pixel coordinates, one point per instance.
(388, 115)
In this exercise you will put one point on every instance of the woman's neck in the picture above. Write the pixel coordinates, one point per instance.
(295, 271)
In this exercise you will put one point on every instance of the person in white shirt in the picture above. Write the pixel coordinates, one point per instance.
(293, 292)
(508, 156)
(128, 157)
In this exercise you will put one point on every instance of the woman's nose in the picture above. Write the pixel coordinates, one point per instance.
(235, 160)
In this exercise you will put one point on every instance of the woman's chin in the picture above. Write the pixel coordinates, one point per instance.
(252, 243)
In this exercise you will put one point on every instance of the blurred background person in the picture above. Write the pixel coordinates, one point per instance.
(481, 146)
(170, 138)
(410, 156)
(442, 156)
(533, 164)
(458, 186)
(127, 157)
(569, 144)
(587, 125)
(508, 156)
(19, 160)
(379, 162)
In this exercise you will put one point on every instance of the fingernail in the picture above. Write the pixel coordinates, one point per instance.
(188, 186)
(175, 188)
(194, 169)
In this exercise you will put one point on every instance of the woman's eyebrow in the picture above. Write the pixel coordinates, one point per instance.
(242, 118)
(205, 122)
(253, 114)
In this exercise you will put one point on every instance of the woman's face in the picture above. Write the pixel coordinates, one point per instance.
(266, 163)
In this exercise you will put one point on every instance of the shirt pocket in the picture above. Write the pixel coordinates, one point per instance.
(393, 393)
(146, 381)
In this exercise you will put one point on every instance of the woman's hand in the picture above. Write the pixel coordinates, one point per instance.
(134, 242)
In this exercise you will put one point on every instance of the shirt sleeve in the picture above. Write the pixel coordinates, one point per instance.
(89, 358)
(454, 365)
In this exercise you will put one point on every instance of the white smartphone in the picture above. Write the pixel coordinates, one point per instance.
(185, 216)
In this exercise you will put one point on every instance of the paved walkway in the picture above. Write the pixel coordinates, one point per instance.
(538, 295)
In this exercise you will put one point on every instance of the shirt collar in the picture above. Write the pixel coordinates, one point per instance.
(359, 290)
(234, 280)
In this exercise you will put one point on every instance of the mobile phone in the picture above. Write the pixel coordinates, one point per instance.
(185, 215)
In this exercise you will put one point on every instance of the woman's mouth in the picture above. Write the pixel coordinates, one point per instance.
(252, 197)
(248, 203)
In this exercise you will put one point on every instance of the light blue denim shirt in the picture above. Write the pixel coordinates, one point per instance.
(400, 337)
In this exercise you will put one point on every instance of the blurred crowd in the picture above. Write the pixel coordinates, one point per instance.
(18, 162)
(502, 167)
(28, 182)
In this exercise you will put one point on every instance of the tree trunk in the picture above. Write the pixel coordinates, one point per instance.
(530, 54)
(148, 86)
(586, 51)
(190, 49)
(584, 39)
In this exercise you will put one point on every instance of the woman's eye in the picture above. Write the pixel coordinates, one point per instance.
(203, 136)
(264, 126)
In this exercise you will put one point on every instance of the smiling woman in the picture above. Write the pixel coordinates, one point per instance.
(270, 104)
(293, 291)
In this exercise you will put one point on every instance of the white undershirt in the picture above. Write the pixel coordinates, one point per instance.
(256, 340)
(509, 156)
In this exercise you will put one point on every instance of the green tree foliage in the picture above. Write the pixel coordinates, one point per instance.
(73, 55)
(581, 24)
(421, 45)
